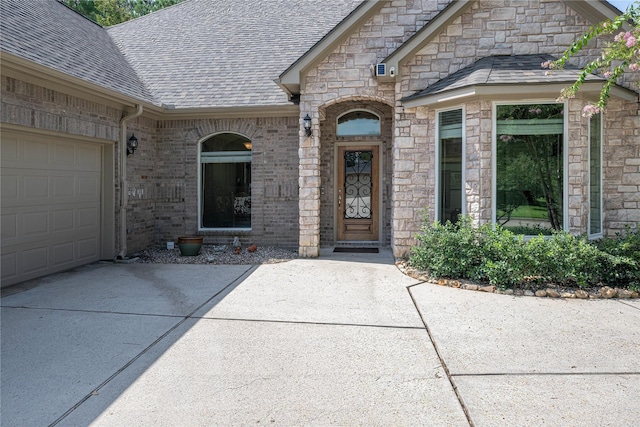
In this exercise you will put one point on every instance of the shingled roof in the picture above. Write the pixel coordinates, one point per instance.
(503, 70)
(225, 53)
(50, 34)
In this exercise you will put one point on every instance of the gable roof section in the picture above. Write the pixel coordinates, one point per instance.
(225, 53)
(427, 33)
(504, 76)
(592, 10)
(289, 80)
(55, 37)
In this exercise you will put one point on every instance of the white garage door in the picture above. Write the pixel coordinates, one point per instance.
(51, 205)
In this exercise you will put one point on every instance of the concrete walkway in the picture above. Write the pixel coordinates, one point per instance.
(345, 339)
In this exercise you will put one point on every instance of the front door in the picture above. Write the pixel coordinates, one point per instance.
(358, 193)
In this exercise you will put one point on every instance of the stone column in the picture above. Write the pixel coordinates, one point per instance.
(309, 181)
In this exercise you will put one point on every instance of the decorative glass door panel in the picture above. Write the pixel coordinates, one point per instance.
(357, 193)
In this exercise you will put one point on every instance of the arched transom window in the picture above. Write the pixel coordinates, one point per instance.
(225, 182)
(358, 123)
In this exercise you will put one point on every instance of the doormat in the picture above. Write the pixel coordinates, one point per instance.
(357, 250)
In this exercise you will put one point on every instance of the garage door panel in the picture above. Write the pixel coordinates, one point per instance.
(9, 187)
(35, 188)
(9, 150)
(51, 205)
(9, 266)
(35, 260)
(88, 217)
(63, 186)
(35, 153)
(9, 226)
(62, 253)
(88, 187)
(64, 156)
(89, 158)
(35, 224)
(62, 221)
(87, 248)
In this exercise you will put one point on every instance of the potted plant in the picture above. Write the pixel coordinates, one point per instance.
(189, 246)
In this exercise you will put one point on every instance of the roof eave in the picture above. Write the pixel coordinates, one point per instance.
(515, 90)
(594, 11)
(290, 79)
(285, 110)
(32, 72)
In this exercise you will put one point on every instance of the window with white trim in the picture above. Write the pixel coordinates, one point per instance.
(225, 182)
(595, 176)
(450, 166)
(530, 168)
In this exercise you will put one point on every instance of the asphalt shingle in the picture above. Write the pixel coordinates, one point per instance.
(50, 34)
(504, 70)
(225, 53)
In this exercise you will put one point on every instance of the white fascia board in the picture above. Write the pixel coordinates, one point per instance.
(289, 110)
(515, 91)
(442, 97)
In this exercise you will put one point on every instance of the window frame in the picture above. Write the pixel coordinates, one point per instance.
(565, 156)
(232, 155)
(364, 110)
(438, 169)
(601, 140)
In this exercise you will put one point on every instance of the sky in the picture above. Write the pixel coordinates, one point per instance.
(621, 4)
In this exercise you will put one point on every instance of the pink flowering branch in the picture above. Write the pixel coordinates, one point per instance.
(619, 56)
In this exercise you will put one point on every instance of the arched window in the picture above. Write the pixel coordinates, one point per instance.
(358, 123)
(225, 182)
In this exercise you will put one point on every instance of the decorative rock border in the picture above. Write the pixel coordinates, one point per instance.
(604, 292)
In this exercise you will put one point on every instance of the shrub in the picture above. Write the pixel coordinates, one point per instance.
(621, 260)
(504, 259)
(447, 250)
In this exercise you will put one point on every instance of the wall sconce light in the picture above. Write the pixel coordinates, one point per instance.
(132, 144)
(307, 124)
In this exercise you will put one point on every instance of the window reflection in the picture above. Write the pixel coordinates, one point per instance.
(225, 182)
(358, 123)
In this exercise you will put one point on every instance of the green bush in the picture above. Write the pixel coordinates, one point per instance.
(449, 250)
(622, 257)
(504, 259)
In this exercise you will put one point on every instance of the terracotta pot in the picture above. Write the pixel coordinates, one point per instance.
(189, 246)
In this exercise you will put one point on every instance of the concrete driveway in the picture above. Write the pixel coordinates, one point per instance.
(345, 339)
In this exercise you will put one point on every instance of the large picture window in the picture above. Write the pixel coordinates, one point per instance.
(225, 182)
(450, 155)
(530, 168)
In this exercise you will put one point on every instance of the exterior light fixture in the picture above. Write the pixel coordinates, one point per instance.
(307, 124)
(132, 144)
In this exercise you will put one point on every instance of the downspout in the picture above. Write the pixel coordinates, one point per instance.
(124, 190)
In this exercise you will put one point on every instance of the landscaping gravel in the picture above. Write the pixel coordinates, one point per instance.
(211, 254)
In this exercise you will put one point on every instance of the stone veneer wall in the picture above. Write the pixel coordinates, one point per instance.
(274, 171)
(346, 75)
(501, 28)
(327, 165)
(489, 27)
(621, 166)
